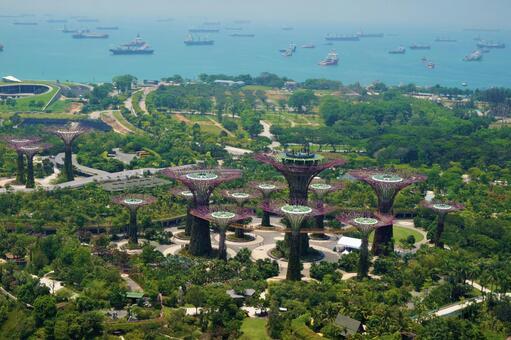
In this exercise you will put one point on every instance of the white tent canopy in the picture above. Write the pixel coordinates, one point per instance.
(11, 79)
(349, 242)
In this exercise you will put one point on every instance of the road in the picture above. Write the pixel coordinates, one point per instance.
(267, 133)
(59, 160)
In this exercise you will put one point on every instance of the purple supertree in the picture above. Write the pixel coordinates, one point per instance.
(30, 150)
(295, 213)
(386, 183)
(133, 202)
(299, 168)
(365, 222)
(201, 182)
(187, 195)
(266, 189)
(15, 142)
(240, 197)
(222, 217)
(68, 135)
(320, 190)
(441, 209)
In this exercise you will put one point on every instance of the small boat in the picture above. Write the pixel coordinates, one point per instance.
(331, 59)
(464, 84)
(308, 46)
(107, 28)
(430, 65)
(474, 56)
(242, 35)
(420, 47)
(490, 44)
(446, 40)
(287, 53)
(399, 50)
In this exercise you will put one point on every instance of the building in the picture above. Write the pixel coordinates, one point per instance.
(229, 82)
(351, 326)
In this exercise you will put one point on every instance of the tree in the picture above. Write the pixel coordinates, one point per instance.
(302, 100)
(45, 308)
(195, 296)
(124, 83)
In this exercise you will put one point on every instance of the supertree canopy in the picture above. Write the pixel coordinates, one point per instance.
(68, 136)
(185, 194)
(201, 182)
(240, 197)
(133, 202)
(386, 183)
(299, 168)
(30, 150)
(222, 217)
(266, 189)
(441, 209)
(295, 212)
(365, 222)
(320, 190)
(15, 142)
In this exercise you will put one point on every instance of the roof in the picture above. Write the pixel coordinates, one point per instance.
(246, 293)
(134, 295)
(11, 79)
(350, 242)
(352, 326)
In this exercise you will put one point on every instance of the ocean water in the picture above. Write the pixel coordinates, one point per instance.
(44, 52)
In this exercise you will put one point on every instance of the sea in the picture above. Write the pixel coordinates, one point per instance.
(44, 52)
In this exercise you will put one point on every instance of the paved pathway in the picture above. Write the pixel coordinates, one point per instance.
(266, 133)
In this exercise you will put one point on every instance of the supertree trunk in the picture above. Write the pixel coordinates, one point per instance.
(265, 222)
(298, 192)
(188, 222)
(222, 249)
(319, 224)
(30, 172)
(133, 228)
(382, 242)
(439, 231)
(363, 262)
(200, 241)
(68, 162)
(239, 233)
(20, 174)
(293, 268)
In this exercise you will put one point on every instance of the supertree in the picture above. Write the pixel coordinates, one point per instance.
(365, 222)
(266, 189)
(201, 182)
(30, 150)
(320, 190)
(240, 197)
(185, 194)
(441, 209)
(386, 183)
(68, 136)
(133, 202)
(295, 212)
(299, 168)
(222, 217)
(15, 142)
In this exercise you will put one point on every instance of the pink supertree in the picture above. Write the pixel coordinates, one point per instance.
(365, 222)
(68, 135)
(386, 183)
(185, 194)
(299, 168)
(15, 142)
(202, 183)
(320, 190)
(441, 209)
(133, 202)
(222, 217)
(295, 212)
(30, 150)
(266, 189)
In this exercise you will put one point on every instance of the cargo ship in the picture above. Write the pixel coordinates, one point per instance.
(477, 55)
(24, 23)
(308, 46)
(370, 35)
(107, 28)
(56, 21)
(490, 44)
(136, 46)
(203, 30)
(242, 35)
(342, 37)
(192, 41)
(331, 59)
(89, 35)
(420, 47)
(66, 30)
(447, 40)
(399, 50)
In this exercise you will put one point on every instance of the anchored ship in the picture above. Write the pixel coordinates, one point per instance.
(399, 50)
(370, 35)
(445, 40)
(89, 35)
(192, 41)
(136, 46)
(477, 55)
(331, 59)
(420, 47)
(342, 37)
(308, 46)
(243, 35)
(203, 30)
(490, 44)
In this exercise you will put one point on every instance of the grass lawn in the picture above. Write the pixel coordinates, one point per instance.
(401, 233)
(31, 103)
(118, 115)
(287, 119)
(60, 106)
(254, 329)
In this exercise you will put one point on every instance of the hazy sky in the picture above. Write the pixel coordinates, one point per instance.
(444, 13)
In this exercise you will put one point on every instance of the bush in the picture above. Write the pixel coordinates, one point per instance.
(230, 125)
(349, 262)
(319, 270)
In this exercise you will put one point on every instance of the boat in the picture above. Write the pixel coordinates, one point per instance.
(399, 50)
(24, 23)
(430, 65)
(87, 20)
(420, 47)
(242, 35)
(342, 37)
(89, 35)
(192, 41)
(308, 46)
(331, 59)
(56, 21)
(476, 55)
(233, 28)
(287, 28)
(464, 84)
(136, 46)
(287, 53)
(370, 35)
(66, 30)
(203, 30)
(447, 40)
(107, 28)
(490, 44)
